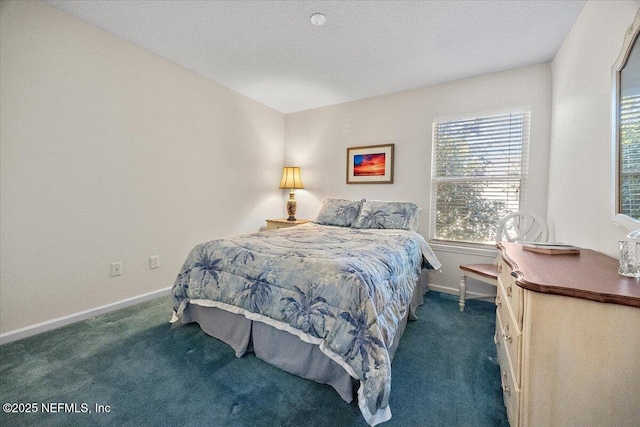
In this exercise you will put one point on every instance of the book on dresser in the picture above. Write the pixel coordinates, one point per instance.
(551, 248)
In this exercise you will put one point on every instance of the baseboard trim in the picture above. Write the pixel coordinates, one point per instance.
(456, 291)
(49, 325)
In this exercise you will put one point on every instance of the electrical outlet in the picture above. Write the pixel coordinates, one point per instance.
(154, 261)
(116, 269)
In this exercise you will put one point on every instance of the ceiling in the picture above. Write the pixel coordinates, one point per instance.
(271, 52)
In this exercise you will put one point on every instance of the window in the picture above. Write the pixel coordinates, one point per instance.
(479, 174)
(630, 155)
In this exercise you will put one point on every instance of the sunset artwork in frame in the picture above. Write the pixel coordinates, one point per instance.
(372, 164)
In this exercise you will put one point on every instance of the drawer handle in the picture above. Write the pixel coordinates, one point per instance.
(498, 301)
(496, 340)
(504, 384)
(509, 290)
(505, 333)
(499, 268)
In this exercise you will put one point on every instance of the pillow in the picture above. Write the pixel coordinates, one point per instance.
(414, 221)
(339, 212)
(376, 214)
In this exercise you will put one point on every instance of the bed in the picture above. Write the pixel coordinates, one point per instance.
(335, 294)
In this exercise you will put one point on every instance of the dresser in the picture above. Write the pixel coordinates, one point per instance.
(568, 339)
(273, 224)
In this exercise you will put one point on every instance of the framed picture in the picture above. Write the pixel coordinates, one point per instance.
(372, 164)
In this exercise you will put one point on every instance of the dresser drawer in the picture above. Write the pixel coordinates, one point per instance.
(510, 388)
(514, 293)
(510, 337)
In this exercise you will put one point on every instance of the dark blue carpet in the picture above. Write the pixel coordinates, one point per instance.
(150, 373)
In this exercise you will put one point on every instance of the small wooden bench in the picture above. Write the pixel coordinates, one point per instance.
(487, 273)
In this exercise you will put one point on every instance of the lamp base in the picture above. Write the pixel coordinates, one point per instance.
(292, 206)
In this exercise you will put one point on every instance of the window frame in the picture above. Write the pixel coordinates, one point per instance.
(631, 37)
(522, 177)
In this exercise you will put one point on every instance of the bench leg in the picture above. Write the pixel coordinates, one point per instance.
(463, 291)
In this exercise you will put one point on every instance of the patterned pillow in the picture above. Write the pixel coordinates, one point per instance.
(376, 214)
(338, 212)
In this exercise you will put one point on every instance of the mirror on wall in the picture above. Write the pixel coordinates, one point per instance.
(626, 130)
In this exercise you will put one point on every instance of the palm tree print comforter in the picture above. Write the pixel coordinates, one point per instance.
(344, 289)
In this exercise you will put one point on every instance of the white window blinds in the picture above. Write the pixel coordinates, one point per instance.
(630, 156)
(479, 175)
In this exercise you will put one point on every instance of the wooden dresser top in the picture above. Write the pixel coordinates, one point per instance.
(588, 275)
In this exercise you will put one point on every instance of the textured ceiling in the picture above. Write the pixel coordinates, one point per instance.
(270, 51)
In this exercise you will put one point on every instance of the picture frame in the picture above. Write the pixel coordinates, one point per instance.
(370, 164)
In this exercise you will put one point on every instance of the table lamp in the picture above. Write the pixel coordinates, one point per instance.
(291, 180)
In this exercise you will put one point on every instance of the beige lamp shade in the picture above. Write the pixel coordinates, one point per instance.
(291, 178)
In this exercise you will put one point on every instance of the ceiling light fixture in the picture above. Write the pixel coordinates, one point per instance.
(318, 19)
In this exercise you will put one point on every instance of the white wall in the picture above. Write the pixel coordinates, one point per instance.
(580, 194)
(110, 153)
(317, 141)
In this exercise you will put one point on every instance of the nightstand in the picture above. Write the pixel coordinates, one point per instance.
(273, 224)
